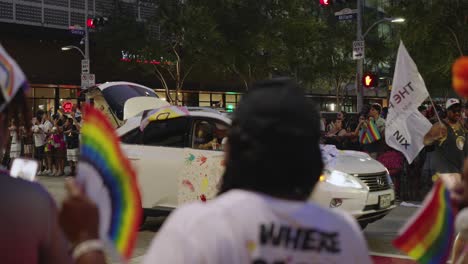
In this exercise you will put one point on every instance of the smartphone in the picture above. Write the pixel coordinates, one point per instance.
(24, 168)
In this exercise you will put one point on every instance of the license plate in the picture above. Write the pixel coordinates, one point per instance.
(385, 201)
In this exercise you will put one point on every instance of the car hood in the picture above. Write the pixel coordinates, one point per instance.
(136, 105)
(351, 162)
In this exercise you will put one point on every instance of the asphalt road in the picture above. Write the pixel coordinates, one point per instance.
(379, 235)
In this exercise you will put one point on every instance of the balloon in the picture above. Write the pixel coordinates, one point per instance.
(460, 76)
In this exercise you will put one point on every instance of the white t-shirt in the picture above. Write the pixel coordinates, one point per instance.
(39, 136)
(47, 126)
(245, 227)
(39, 133)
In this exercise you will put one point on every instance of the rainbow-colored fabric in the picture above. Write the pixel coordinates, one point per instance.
(428, 236)
(164, 113)
(100, 148)
(12, 78)
(370, 134)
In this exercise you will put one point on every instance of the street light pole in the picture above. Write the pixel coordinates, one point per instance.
(74, 47)
(360, 62)
(386, 19)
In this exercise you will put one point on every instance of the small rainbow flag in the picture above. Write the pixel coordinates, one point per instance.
(364, 137)
(163, 113)
(370, 134)
(428, 236)
(113, 185)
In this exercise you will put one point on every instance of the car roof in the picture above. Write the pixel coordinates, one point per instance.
(103, 86)
(134, 122)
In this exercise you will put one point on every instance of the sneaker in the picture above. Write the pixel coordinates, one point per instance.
(46, 172)
(40, 173)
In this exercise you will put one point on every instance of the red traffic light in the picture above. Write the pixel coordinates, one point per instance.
(369, 80)
(90, 23)
(325, 2)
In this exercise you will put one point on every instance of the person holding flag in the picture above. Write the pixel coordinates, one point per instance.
(373, 129)
(428, 236)
(29, 224)
(449, 137)
(405, 126)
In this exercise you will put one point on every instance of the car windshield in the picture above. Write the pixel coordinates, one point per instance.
(117, 95)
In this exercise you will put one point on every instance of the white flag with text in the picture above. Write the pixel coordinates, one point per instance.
(405, 126)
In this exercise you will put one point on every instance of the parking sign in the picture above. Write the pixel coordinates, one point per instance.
(87, 80)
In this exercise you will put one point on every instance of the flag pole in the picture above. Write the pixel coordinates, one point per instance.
(435, 109)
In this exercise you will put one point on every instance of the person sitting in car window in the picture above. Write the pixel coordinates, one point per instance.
(204, 138)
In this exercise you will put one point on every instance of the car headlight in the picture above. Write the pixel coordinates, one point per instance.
(389, 178)
(341, 179)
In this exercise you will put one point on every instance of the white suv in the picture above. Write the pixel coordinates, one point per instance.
(171, 171)
(163, 154)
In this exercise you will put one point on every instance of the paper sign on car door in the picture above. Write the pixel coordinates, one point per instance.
(199, 178)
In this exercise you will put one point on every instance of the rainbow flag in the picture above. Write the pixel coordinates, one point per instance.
(364, 137)
(113, 185)
(428, 236)
(370, 134)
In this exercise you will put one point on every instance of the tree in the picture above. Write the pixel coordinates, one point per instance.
(266, 38)
(188, 33)
(241, 40)
(435, 34)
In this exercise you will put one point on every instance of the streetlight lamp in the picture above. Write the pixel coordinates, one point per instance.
(74, 47)
(386, 19)
(360, 62)
(87, 79)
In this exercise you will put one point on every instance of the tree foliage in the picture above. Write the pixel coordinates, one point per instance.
(244, 41)
(435, 34)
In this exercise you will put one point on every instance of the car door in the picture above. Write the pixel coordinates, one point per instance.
(204, 165)
(158, 155)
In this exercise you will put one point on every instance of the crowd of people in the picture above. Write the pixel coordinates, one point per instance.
(444, 152)
(261, 214)
(51, 139)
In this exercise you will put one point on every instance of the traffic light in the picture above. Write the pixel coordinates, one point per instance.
(96, 22)
(325, 2)
(90, 23)
(369, 80)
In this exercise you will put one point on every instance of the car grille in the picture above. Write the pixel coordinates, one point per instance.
(375, 181)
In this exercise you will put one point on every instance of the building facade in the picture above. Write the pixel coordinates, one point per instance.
(61, 14)
(33, 32)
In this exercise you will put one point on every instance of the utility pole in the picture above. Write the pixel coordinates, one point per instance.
(87, 79)
(86, 32)
(360, 62)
